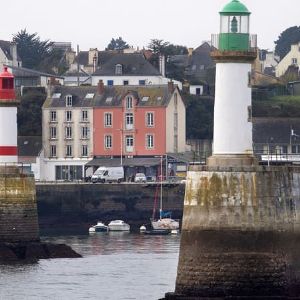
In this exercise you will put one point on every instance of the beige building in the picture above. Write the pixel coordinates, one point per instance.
(67, 133)
(292, 58)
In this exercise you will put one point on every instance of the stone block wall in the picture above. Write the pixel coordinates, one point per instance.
(240, 234)
(18, 209)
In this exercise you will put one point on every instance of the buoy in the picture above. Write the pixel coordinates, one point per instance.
(143, 228)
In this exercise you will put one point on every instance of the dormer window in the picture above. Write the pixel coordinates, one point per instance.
(294, 61)
(118, 69)
(68, 100)
(129, 104)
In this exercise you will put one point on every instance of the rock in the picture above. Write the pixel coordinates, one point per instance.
(34, 251)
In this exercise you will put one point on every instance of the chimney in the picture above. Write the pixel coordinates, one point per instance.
(13, 53)
(190, 51)
(170, 86)
(100, 87)
(93, 57)
(162, 65)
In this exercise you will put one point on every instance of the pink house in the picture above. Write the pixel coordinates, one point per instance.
(135, 121)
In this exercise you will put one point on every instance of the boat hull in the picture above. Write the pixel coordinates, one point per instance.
(166, 223)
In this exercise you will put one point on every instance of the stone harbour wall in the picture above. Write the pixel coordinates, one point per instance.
(69, 203)
(240, 234)
(18, 209)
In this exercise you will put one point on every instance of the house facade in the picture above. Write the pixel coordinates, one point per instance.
(9, 54)
(139, 121)
(83, 123)
(291, 59)
(67, 133)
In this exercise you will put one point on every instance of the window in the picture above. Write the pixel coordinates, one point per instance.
(110, 82)
(53, 151)
(149, 141)
(8, 83)
(69, 151)
(84, 116)
(52, 132)
(68, 132)
(118, 69)
(295, 149)
(129, 103)
(294, 61)
(129, 143)
(125, 82)
(68, 116)
(53, 116)
(85, 132)
(68, 100)
(107, 119)
(108, 142)
(68, 172)
(175, 100)
(129, 121)
(142, 82)
(150, 119)
(84, 150)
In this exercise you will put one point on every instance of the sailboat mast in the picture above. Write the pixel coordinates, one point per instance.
(161, 184)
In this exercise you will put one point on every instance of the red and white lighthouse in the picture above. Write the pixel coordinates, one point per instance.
(8, 119)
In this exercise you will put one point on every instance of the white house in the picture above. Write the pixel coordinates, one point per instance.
(292, 58)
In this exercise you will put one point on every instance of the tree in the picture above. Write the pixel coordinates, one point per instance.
(30, 111)
(287, 38)
(160, 47)
(31, 49)
(117, 44)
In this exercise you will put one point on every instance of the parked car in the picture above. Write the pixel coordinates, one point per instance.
(140, 177)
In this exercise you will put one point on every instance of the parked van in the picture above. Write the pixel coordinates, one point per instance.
(108, 174)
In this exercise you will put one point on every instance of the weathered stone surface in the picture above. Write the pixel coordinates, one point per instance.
(81, 203)
(240, 236)
(18, 209)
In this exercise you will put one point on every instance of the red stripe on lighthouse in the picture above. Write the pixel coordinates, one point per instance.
(8, 150)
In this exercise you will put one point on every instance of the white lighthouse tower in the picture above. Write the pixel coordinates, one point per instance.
(8, 119)
(234, 54)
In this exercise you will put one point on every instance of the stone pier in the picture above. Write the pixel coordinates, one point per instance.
(19, 229)
(240, 234)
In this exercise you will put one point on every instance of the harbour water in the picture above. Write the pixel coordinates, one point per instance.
(114, 266)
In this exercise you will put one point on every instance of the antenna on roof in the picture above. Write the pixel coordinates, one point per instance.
(77, 65)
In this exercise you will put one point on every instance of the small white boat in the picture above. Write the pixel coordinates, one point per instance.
(165, 223)
(118, 225)
(99, 227)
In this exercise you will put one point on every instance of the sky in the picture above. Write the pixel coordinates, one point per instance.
(93, 23)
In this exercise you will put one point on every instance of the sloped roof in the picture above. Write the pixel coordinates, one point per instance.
(29, 145)
(155, 95)
(275, 130)
(103, 57)
(25, 72)
(133, 64)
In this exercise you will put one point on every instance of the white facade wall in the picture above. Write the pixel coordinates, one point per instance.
(48, 164)
(193, 89)
(232, 118)
(8, 131)
(134, 80)
(288, 60)
(170, 125)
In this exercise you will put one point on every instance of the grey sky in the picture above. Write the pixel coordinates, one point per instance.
(92, 23)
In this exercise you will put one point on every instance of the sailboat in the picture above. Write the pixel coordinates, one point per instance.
(165, 221)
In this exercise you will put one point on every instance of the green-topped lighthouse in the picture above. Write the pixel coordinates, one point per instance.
(234, 27)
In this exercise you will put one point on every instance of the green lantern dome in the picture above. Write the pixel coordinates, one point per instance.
(235, 7)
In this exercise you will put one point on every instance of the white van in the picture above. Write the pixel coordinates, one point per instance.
(108, 174)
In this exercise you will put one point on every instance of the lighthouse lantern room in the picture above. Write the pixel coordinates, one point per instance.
(235, 51)
(8, 119)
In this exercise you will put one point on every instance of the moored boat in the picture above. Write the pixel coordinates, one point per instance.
(118, 225)
(99, 227)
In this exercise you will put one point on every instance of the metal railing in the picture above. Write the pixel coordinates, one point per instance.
(252, 42)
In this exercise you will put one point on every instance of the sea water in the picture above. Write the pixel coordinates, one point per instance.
(114, 266)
